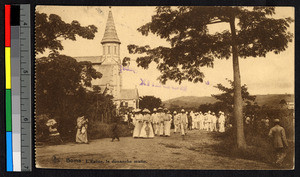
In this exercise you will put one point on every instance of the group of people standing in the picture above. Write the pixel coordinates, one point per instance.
(148, 125)
(208, 121)
(159, 123)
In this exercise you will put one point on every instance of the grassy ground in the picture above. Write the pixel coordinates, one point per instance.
(195, 152)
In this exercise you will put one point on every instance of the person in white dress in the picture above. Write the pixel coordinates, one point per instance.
(161, 117)
(221, 122)
(147, 129)
(81, 136)
(138, 123)
(167, 124)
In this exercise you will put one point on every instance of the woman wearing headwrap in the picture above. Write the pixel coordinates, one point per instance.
(81, 135)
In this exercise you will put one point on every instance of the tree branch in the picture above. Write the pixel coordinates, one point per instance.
(218, 21)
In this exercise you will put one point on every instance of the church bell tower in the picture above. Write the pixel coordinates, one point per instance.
(111, 56)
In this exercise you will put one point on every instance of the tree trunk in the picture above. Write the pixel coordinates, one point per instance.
(238, 101)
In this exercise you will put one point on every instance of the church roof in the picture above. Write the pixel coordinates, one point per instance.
(129, 94)
(110, 34)
(92, 59)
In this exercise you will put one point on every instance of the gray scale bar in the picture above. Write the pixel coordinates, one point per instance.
(25, 15)
(25, 71)
(25, 51)
(25, 86)
(15, 90)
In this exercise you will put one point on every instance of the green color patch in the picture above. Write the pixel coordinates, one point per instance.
(8, 109)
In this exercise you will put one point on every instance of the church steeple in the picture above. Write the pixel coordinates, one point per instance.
(110, 34)
(111, 57)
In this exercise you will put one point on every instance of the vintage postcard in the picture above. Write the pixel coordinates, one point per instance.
(188, 87)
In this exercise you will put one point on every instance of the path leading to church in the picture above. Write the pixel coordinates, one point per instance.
(194, 152)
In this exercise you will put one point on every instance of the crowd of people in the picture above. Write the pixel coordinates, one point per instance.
(158, 122)
(149, 124)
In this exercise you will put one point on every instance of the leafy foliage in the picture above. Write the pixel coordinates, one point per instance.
(64, 88)
(50, 30)
(227, 97)
(149, 102)
(283, 102)
(192, 46)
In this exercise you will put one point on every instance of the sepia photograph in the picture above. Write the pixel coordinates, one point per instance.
(165, 87)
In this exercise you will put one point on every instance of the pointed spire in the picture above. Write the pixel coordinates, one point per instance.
(110, 34)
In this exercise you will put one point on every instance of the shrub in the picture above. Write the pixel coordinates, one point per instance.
(41, 130)
(99, 130)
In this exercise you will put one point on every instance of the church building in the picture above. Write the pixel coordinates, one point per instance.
(110, 65)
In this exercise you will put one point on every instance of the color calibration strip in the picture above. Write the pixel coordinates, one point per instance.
(18, 86)
(9, 155)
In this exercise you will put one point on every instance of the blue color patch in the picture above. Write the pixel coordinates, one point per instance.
(9, 157)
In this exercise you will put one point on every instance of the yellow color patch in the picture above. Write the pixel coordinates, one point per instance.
(7, 68)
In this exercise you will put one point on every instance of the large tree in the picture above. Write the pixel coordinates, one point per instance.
(253, 32)
(64, 88)
(51, 30)
(60, 76)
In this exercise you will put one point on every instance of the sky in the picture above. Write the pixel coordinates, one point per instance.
(273, 74)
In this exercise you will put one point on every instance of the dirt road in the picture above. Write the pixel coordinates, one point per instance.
(194, 152)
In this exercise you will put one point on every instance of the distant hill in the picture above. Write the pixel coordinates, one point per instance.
(195, 102)
(189, 101)
(274, 99)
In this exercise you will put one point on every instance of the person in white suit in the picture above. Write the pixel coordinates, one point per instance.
(213, 122)
(176, 122)
(183, 123)
(155, 121)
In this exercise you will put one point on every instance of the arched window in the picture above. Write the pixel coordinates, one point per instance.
(103, 50)
(115, 49)
(108, 49)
